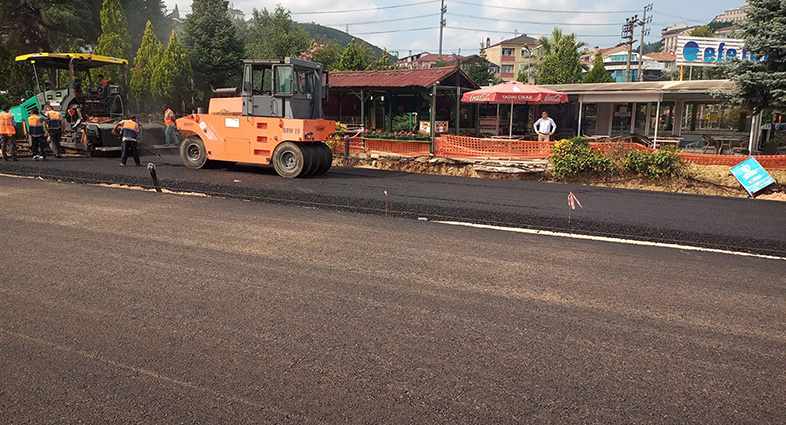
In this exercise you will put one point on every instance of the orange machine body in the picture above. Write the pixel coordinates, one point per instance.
(248, 139)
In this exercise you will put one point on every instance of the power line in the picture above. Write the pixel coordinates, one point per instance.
(365, 9)
(392, 31)
(511, 32)
(580, 24)
(381, 21)
(682, 17)
(542, 10)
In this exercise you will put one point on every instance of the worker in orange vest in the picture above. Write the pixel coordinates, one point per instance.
(130, 132)
(7, 133)
(103, 85)
(54, 123)
(37, 133)
(171, 130)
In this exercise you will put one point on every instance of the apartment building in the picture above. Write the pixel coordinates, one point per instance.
(511, 56)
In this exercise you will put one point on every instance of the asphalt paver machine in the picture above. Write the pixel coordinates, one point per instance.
(89, 108)
(275, 119)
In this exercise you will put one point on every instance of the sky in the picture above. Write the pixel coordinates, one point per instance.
(404, 25)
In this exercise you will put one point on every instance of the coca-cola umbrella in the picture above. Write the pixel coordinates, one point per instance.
(514, 93)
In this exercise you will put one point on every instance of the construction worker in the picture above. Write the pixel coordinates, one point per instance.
(130, 132)
(35, 128)
(54, 123)
(7, 134)
(103, 85)
(171, 130)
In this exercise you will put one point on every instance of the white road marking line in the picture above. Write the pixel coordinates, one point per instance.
(609, 239)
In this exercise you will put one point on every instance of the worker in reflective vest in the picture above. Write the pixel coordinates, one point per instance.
(130, 131)
(37, 133)
(7, 133)
(54, 123)
(171, 130)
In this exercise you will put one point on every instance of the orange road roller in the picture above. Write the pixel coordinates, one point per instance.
(277, 118)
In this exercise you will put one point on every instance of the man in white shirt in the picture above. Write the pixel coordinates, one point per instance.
(545, 127)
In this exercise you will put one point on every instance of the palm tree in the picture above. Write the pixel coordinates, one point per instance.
(547, 46)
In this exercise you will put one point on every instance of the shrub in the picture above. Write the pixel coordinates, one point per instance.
(570, 157)
(662, 163)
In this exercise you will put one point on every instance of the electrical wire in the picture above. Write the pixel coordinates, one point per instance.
(392, 31)
(579, 24)
(395, 6)
(509, 32)
(525, 9)
(381, 21)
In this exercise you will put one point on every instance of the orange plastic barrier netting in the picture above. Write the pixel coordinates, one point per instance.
(766, 161)
(355, 146)
(449, 146)
(397, 147)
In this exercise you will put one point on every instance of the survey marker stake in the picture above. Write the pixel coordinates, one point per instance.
(572, 201)
(386, 203)
(152, 169)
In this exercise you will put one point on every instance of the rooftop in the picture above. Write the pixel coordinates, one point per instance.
(392, 78)
(521, 40)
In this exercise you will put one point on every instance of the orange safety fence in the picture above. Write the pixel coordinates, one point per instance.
(355, 145)
(450, 146)
(399, 147)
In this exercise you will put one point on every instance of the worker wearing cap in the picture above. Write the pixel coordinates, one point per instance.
(130, 132)
(171, 130)
(54, 123)
(37, 133)
(7, 134)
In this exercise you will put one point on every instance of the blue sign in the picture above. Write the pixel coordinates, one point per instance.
(708, 51)
(752, 175)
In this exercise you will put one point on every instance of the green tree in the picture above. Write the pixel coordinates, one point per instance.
(562, 66)
(547, 47)
(275, 36)
(598, 74)
(172, 80)
(114, 40)
(351, 58)
(139, 13)
(384, 61)
(705, 31)
(213, 45)
(328, 54)
(760, 85)
(480, 71)
(147, 57)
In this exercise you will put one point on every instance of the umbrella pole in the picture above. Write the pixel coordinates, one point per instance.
(499, 130)
(510, 131)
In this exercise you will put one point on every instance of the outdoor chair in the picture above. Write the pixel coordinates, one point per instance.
(739, 146)
(641, 139)
(711, 143)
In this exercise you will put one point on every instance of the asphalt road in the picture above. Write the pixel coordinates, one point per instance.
(120, 306)
(711, 221)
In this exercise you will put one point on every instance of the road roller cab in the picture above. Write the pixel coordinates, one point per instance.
(276, 119)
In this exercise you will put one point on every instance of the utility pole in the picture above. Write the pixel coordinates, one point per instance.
(645, 31)
(442, 23)
(627, 36)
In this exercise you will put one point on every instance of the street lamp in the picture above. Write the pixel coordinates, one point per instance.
(529, 66)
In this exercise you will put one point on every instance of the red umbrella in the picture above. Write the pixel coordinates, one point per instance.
(514, 92)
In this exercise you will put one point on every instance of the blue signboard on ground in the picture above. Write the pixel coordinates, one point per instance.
(752, 175)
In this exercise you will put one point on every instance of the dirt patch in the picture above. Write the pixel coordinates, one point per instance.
(699, 179)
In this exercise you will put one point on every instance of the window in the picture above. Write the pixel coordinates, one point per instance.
(262, 81)
(523, 67)
(305, 80)
(283, 79)
(507, 51)
(524, 52)
(507, 69)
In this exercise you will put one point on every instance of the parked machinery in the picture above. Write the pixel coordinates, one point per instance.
(277, 118)
(89, 109)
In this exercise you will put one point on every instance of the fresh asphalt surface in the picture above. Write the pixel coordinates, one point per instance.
(123, 306)
(710, 221)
